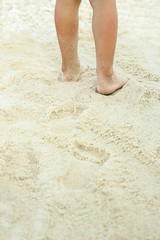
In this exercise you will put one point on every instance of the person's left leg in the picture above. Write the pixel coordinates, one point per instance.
(66, 21)
(105, 24)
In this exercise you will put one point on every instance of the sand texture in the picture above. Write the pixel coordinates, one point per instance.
(74, 164)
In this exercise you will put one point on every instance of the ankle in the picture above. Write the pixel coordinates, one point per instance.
(75, 66)
(105, 73)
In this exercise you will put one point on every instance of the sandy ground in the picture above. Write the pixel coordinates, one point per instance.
(76, 165)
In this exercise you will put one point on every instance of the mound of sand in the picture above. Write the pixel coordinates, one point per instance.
(76, 165)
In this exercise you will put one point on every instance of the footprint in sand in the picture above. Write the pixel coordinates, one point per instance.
(66, 109)
(73, 173)
(64, 117)
(63, 126)
(79, 174)
(89, 152)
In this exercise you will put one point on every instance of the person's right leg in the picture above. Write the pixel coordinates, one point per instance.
(66, 21)
(105, 22)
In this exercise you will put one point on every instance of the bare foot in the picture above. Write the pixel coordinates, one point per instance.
(109, 85)
(73, 76)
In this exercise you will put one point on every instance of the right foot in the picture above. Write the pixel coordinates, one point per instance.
(108, 85)
(73, 76)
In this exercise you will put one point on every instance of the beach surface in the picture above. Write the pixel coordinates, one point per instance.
(74, 164)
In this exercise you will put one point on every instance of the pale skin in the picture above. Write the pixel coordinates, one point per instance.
(104, 24)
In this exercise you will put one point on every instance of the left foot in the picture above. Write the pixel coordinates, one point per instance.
(108, 85)
(74, 75)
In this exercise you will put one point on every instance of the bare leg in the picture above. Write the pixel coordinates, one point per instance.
(105, 22)
(66, 20)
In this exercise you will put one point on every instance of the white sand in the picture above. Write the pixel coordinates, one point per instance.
(76, 165)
